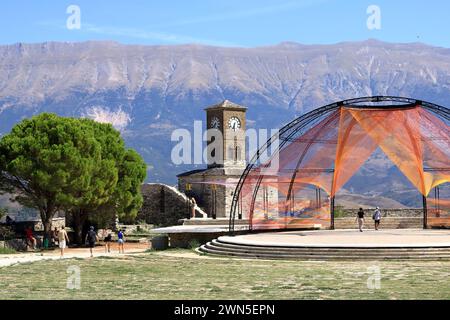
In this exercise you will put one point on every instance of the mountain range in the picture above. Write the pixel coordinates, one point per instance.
(148, 91)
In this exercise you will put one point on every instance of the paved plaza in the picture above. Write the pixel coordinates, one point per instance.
(347, 238)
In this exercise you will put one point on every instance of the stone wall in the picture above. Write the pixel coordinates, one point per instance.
(56, 222)
(165, 205)
(384, 212)
(16, 244)
(386, 223)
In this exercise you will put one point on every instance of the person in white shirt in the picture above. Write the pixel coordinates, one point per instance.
(377, 217)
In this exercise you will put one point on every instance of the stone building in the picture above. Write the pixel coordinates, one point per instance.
(165, 205)
(213, 187)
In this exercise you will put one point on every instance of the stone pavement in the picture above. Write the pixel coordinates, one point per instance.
(347, 238)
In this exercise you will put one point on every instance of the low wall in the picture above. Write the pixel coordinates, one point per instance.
(182, 240)
(165, 205)
(16, 244)
(384, 212)
(56, 222)
(386, 223)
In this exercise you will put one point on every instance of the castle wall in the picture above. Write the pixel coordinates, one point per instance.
(165, 205)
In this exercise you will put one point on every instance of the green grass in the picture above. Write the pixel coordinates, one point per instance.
(4, 250)
(181, 276)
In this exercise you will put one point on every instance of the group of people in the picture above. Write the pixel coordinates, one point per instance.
(120, 241)
(92, 239)
(61, 237)
(376, 218)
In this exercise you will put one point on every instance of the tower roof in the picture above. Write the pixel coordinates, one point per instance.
(226, 104)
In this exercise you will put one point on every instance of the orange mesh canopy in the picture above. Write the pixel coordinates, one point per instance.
(332, 149)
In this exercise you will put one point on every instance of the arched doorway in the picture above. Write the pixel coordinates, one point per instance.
(317, 153)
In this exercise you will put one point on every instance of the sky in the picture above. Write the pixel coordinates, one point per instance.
(243, 23)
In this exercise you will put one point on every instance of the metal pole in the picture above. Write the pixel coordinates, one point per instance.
(332, 213)
(214, 200)
(188, 207)
(438, 204)
(425, 212)
(240, 207)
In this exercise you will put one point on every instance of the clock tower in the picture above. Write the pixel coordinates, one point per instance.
(213, 187)
(229, 119)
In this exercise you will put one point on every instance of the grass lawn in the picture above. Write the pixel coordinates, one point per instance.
(180, 274)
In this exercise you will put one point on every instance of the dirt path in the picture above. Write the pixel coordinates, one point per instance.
(70, 253)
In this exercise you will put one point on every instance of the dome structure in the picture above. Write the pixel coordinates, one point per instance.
(293, 179)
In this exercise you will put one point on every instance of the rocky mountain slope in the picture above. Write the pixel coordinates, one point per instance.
(148, 91)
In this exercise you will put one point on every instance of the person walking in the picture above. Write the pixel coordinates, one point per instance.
(54, 236)
(107, 241)
(360, 219)
(63, 239)
(31, 240)
(377, 218)
(120, 241)
(193, 205)
(91, 239)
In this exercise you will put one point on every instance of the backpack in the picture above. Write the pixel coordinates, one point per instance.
(375, 215)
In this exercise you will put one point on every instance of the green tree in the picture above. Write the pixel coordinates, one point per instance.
(115, 191)
(54, 163)
(38, 158)
(127, 199)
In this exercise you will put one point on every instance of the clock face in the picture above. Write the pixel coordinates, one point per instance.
(215, 123)
(234, 123)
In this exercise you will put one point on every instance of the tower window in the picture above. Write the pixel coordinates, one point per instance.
(231, 153)
(238, 154)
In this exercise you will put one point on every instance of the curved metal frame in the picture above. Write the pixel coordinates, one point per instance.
(303, 121)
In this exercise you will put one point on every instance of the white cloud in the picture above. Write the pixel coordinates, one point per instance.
(150, 35)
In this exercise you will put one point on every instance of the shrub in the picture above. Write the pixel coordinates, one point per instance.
(7, 250)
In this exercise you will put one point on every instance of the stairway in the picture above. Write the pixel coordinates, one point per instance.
(220, 247)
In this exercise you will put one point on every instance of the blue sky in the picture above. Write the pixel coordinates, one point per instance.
(245, 23)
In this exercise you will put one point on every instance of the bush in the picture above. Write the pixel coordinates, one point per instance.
(339, 212)
(6, 232)
(7, 250)
(194, 244)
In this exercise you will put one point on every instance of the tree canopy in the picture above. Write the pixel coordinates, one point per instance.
(77, 165)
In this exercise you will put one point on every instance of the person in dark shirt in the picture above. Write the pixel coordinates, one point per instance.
(91, 238)
(107, 241)
(360, 219)
(9, 221)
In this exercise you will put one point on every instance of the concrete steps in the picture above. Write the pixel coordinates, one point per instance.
(222, 248)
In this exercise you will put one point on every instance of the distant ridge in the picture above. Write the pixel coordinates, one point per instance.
(147, 91)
